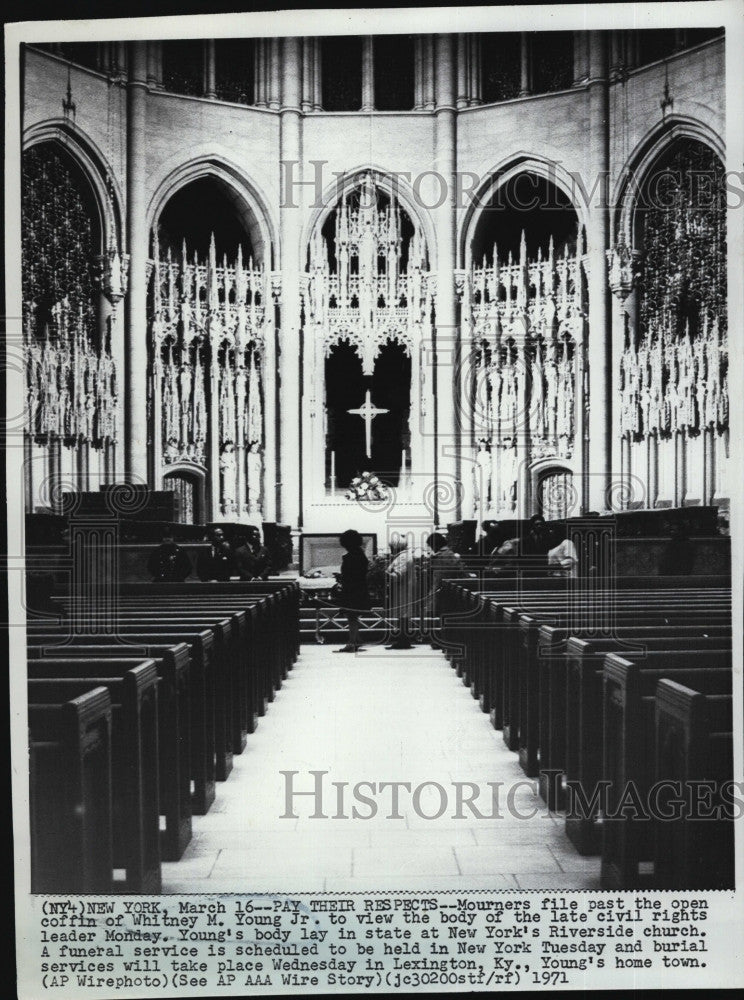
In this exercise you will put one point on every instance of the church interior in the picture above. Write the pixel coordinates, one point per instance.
(465, 287)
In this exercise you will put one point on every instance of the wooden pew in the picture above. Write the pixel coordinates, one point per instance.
(259, 668)
(201, 709)
(468, 618)
(262, 659)
(629, 706)
(174, 731)
(132, 686)
(584, 663)
(507, 661)
(552, 660)
(70, 792)
(522, 684)
(223, 662)
(693, 743)
(286, 594)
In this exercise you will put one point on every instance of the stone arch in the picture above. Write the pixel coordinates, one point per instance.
(642, 161)
(501, 174)
(541, 471)
(390, 184)
(251, 206)
(105, 190)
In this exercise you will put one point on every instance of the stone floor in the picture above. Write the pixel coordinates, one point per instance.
(376, 717)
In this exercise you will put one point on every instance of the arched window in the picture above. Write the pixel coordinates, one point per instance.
(60, 238)
(556, 497)
(188, 487)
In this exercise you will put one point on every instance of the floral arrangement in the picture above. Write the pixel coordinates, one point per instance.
(367, 486)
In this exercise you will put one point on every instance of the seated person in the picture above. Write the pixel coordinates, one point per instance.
(491, 537)
(504, 558)
(537, 541)
(563, 559)
(251, 557)
(169, 563)
(444, 564)
(217, 563)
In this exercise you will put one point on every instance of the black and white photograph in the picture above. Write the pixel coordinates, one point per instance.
(373, 452)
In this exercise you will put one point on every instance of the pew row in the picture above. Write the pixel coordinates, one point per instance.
(70, 791)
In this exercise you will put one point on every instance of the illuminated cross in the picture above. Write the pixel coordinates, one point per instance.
(368, 412)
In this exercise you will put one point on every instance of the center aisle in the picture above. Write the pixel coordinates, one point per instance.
(376, 717)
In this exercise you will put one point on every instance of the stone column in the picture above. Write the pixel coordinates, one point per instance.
(525, 82)
(599, 353)
(580, 70)
(418, 73)
(268, 504)
(428, 72)
(154, 68)
(259, 73)
(290, 223)
(463, 75)
(210, 76)
(307, 74)
(368, 73)
(447, 333)
(121, 58)
(623, 264)
(275, 75)
(135, 347)
(317, 76)
(475, 69)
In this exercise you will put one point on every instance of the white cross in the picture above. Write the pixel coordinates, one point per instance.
(368, 412)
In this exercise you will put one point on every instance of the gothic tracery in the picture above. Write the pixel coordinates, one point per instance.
(207, 334)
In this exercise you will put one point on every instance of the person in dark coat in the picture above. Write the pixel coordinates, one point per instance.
(251, 558)
(169, 563)
(217, 563)
(354, 595)
(444, 564)
(537, 541)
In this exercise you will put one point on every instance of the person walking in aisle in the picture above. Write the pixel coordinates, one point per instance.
(404, 588)
(354, 595)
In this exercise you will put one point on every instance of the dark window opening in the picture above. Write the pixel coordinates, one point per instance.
(183, 67)
(393, 58)
(552, 61)
(500, 62)
(234, 69)
(531, 205)
(193, 214)
(656, 44)
(81, 53)
(696, 36)
(342, 73)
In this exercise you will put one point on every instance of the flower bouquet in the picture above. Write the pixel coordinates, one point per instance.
(366, 486)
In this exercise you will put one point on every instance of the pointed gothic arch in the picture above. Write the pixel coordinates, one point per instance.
(368, 284)
(391, 185)
(643, 160)
(670, 274)
(524, 322)
(95, 169)
(211, 333)
(500, 175)
(251, 205)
